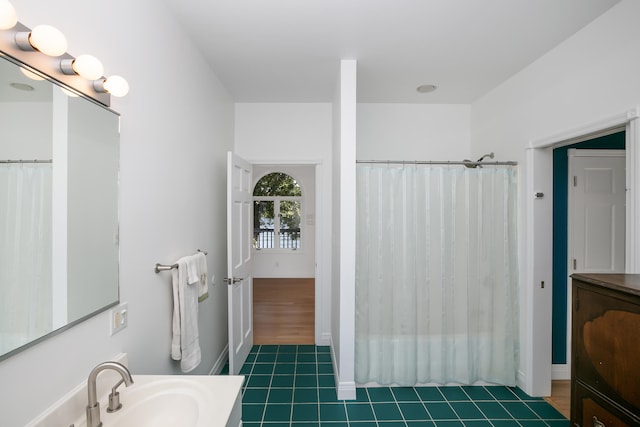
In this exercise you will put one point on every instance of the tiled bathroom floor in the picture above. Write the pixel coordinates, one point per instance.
(289, 385)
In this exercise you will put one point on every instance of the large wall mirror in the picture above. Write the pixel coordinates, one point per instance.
(59, 163)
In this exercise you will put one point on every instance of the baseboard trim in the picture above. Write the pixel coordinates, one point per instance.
(336, 373)
(221, 361)
(561, 372)
(346, 390)
(521, 380)
(324, 339)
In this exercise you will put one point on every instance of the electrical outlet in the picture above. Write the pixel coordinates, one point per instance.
(119, 318)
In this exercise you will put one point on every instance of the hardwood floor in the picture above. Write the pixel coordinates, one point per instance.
(283, 311)
(560, 396)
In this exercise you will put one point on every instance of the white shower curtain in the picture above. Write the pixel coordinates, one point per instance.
(436, 275)
(25, 253)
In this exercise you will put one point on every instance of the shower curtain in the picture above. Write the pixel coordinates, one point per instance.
(436, 275)
(25, 253)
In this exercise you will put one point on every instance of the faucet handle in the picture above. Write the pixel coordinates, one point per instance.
(114, 398)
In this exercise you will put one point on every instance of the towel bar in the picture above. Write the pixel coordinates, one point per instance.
(165, 267)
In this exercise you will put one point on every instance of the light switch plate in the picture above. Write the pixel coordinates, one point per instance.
(119, 318)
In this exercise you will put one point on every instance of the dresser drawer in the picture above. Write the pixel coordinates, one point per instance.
(594, 410)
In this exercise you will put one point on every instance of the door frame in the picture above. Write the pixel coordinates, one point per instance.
(535, 376)
(322, 270)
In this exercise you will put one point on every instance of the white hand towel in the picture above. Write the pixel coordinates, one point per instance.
(203, 288)
(179, 280)
(197, 267)
(185, 344)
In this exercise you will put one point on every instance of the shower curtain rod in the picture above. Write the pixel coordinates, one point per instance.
(26, 161)
(438, 162)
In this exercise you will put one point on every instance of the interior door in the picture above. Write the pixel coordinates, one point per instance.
(239, 275)
(597, 211)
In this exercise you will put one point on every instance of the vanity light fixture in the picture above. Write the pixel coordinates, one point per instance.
(114, 85)
(86, 66)
(83, 74)
(8, 17)
(43, 38)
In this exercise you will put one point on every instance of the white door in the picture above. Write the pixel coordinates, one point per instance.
(596, 211)
(239, 276)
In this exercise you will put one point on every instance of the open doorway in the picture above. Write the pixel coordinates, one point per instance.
(283, 311)
(284, 254)
(537, 363)
(563, 255)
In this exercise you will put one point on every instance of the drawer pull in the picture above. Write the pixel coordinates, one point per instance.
(597, 422)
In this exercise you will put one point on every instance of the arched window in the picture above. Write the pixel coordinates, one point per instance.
(277, 207)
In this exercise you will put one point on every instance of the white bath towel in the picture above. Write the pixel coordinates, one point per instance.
(185, 343)
(197, 268)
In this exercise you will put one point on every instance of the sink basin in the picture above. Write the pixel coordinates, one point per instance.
(153, 400)
(181, 400)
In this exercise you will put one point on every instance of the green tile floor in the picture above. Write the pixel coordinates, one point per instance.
(289, 385)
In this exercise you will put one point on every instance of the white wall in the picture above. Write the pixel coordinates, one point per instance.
(413, 131)
(172, 192)
(287, 134)
(586, 79)
(591, 76)
(299, 263)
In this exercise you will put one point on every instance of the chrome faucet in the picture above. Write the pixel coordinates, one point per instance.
(93, 407)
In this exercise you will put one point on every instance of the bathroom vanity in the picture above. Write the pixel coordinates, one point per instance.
(153, 401)
(605, 373)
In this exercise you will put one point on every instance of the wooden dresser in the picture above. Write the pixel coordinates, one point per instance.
(605, 369)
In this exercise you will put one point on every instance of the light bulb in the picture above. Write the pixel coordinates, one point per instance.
(48, 40)
(8, 17)
(86, 66)
(116, 86)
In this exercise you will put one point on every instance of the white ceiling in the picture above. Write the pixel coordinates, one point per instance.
(289, 50)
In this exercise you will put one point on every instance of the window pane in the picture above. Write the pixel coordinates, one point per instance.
(289, 224)
(263, 224)
(277, 184)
